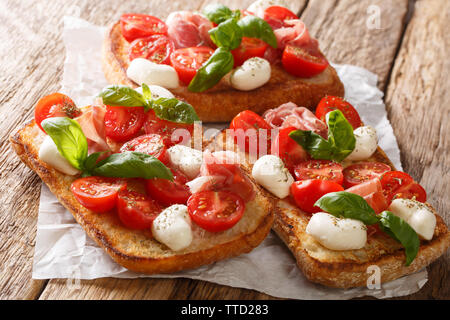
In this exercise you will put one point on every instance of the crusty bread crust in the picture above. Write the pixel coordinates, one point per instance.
(344, 269)
(221, 103)
(137, 250)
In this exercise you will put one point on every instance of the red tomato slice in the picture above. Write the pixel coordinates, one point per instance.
(398, 184)
(134, 25)
(156, 48)
(151, 144)
(330, 103)
(187, 61)
(367, 187)
(377, 201)
(319, 169)
(98, 194)
(171, 132)
(288, 150)
(247, 127)
(55, 105)
(307, 192)
(363, 171)
(275, 16)
(169, 192)
(137, 210)
(300, 63)
(249, 48)
(215, 211)
(123, 123)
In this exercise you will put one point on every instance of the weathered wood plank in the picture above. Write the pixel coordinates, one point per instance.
(352, 32)
(419, 108)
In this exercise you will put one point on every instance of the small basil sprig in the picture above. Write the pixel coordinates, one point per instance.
(254, 27)
(219, 64)
(401, 231)
(341, 140)
(69, 139)
(227, 34)
(348, 205)
(72, 144)
(170, 109)
(218, 13)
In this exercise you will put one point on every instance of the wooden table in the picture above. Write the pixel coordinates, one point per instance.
(407, 46)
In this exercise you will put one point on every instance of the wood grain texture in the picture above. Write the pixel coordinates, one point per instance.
(348, 31)
(419, 105)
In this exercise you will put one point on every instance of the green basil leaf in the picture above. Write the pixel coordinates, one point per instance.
(341, 140)
(219, 64)
(132, 164)
(254, 27)
(122, 96)
(218, 13)
(401, 231)
(69, 139)
(146, 93)
(174, 110)
(91, 161)
(347, 205)
(227, 34)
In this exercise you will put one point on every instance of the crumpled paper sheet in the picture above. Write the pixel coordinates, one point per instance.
(63, 250)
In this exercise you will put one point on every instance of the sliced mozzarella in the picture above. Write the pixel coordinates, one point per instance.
(48, 152)
(417, 215)
(366, 143)
(270, 172)
(173, 227)
(157, 92)
(197, 184)
(186, 159)
(335, 233)
(144, 71)
(253, 73)
(259, 6)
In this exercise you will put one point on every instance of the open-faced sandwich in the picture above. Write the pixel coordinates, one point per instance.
(129, 172)
(342, 206)
(222, 61)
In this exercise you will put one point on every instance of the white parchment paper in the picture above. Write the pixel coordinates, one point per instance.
(63, 250)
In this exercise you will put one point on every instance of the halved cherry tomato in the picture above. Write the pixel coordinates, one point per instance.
(98, 194)
(135, 25)
(249, 47)
(247, 127)
(169, 192)
(151, 144)
(215, 211)
(137, 210)
(171, 132)
(187, 61)
(275, 16)
(319, 169)
(288, 150)
(363, 171)
(307, 192)
(123, 123)
(367, 187)
(55, 105)
(330, 103)
(398, 184)
(301, 63)
(377, 201)
(156, 48)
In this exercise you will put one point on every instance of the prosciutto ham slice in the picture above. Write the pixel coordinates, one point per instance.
(290, 115)
(295, 33)
(189, 29)
(92, 124)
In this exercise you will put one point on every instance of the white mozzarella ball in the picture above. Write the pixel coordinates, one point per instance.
(366, 143)
(48, 152)
(144, 71)
(254, 73)
(270, 172)
(157, 92)
(173, 227)
(186, 159)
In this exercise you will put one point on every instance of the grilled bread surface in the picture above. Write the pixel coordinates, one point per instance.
(344, 269)
(137, 250)
(221, 103)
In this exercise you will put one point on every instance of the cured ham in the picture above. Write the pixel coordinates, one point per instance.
(290, 115)
(91, 122)
(189, 29)
(296, 34)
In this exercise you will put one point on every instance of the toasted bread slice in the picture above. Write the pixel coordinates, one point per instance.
(221, 103)
(344, 269)
(137, 250)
